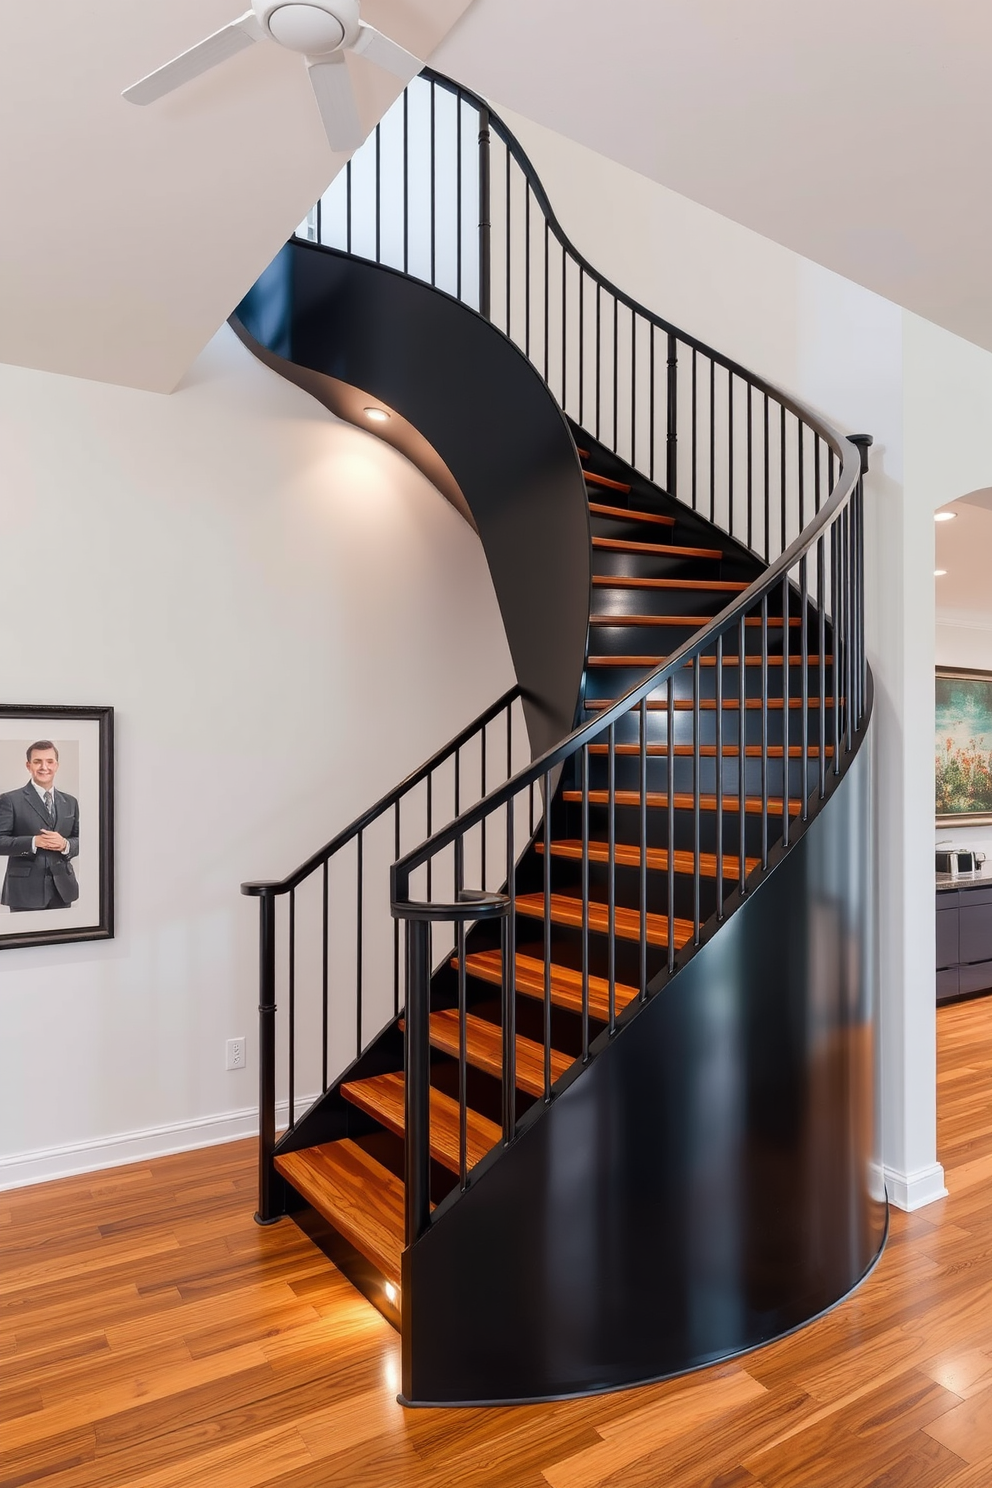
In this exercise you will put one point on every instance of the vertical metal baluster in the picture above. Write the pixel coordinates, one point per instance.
(651, 401)
(430, 829)
(784, 484)
(347, 199)
(527, 268)
(547, 936)
(821, 604)
(616, 373)
(817, 465)
(768, 497)
(848, 628)
(458, 195)
(838, 639)
(485, 218)
(750, 474)
(547, 299)
(378, 194)
(860, 540)
(672, 455)
(599, 356)
(320, 219)
(718, 777)
(804, 664)
(611, 874)
(509, 239)
(406, 183)
(564, 327)
(696, 785)
(741, 753)
(670, 787)
(292, 1008)
(694, 440)
(396, 923)
(323, 983)
(533, 818)
(510, 984)
(764, 732)
(712, 440)
(417, 1082)
(585, 904)
(360, 949)
(485, 861)
(509, 741)
(462, 1021)
(433, 179)
(633, 389)
(786, 702)
(730, 451)
(582, 342)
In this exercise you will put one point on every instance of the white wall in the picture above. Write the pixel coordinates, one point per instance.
(926, 397)
(287, 619)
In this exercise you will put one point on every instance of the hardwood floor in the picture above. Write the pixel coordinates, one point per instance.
(152, 1335)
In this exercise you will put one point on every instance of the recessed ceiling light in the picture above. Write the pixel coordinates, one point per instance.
(939, 573)
(377, 415)
(944, 516)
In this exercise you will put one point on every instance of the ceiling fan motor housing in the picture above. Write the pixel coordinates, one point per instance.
(318, 29)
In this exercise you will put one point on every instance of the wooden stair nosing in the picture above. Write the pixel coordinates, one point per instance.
(628, 856)
(705, 586)
(357, 1195)
(653, 550)
(628, 514)
(382, 1097)
(684, 801)
(566, 910)
(605, 481)
(566, 984)
(484, 1050)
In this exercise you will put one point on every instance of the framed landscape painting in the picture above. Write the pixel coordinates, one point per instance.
(963, 762)
(56, 824)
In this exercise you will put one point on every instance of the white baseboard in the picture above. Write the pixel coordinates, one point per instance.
(46, 1163)
(915, 1190)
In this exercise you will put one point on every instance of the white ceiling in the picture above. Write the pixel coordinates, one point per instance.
(127, 235)
(858, 134)
(963, 547)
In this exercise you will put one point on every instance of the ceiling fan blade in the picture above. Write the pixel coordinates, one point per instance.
(331, 83)
(388, 54)
(200, 58)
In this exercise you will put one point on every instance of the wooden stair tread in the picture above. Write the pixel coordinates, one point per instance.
(382, 1097)
(708, 751)
(708, 705)
(623, 513)
(684, 801)
(708, 586)
(628, 856)
(708, 662)
(566, 984)
(695, 621)
(604, 480)
(667, 550)
(566, 910)
(358, 1196)
(484, 1049)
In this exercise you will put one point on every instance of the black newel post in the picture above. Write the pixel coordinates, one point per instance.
(418, 1080)
(485, 223)
(672, 419)
(269, 1207)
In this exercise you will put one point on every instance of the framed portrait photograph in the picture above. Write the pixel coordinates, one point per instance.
(56, 824)
(963, 759)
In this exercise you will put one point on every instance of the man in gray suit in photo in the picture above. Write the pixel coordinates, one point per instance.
(39, 837)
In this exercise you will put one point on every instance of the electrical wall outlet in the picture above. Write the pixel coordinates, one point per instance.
(236, 1058)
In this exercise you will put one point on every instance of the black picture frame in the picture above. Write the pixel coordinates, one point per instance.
(61, 722)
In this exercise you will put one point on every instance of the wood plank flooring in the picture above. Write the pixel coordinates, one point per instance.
(152, 1336)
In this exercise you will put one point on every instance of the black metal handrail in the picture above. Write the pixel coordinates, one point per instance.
(270, 891)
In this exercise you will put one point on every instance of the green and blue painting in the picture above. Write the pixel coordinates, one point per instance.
(964, 745)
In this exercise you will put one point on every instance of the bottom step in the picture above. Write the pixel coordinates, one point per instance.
(354, 1193)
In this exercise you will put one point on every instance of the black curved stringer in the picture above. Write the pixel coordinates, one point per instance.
(702, 1182)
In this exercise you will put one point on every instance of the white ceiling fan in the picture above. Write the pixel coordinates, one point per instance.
(322, 30)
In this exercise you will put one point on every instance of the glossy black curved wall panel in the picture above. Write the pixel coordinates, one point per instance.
(704, 1187)
(490, 417)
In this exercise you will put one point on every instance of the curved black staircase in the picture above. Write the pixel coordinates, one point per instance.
(622, 1126)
